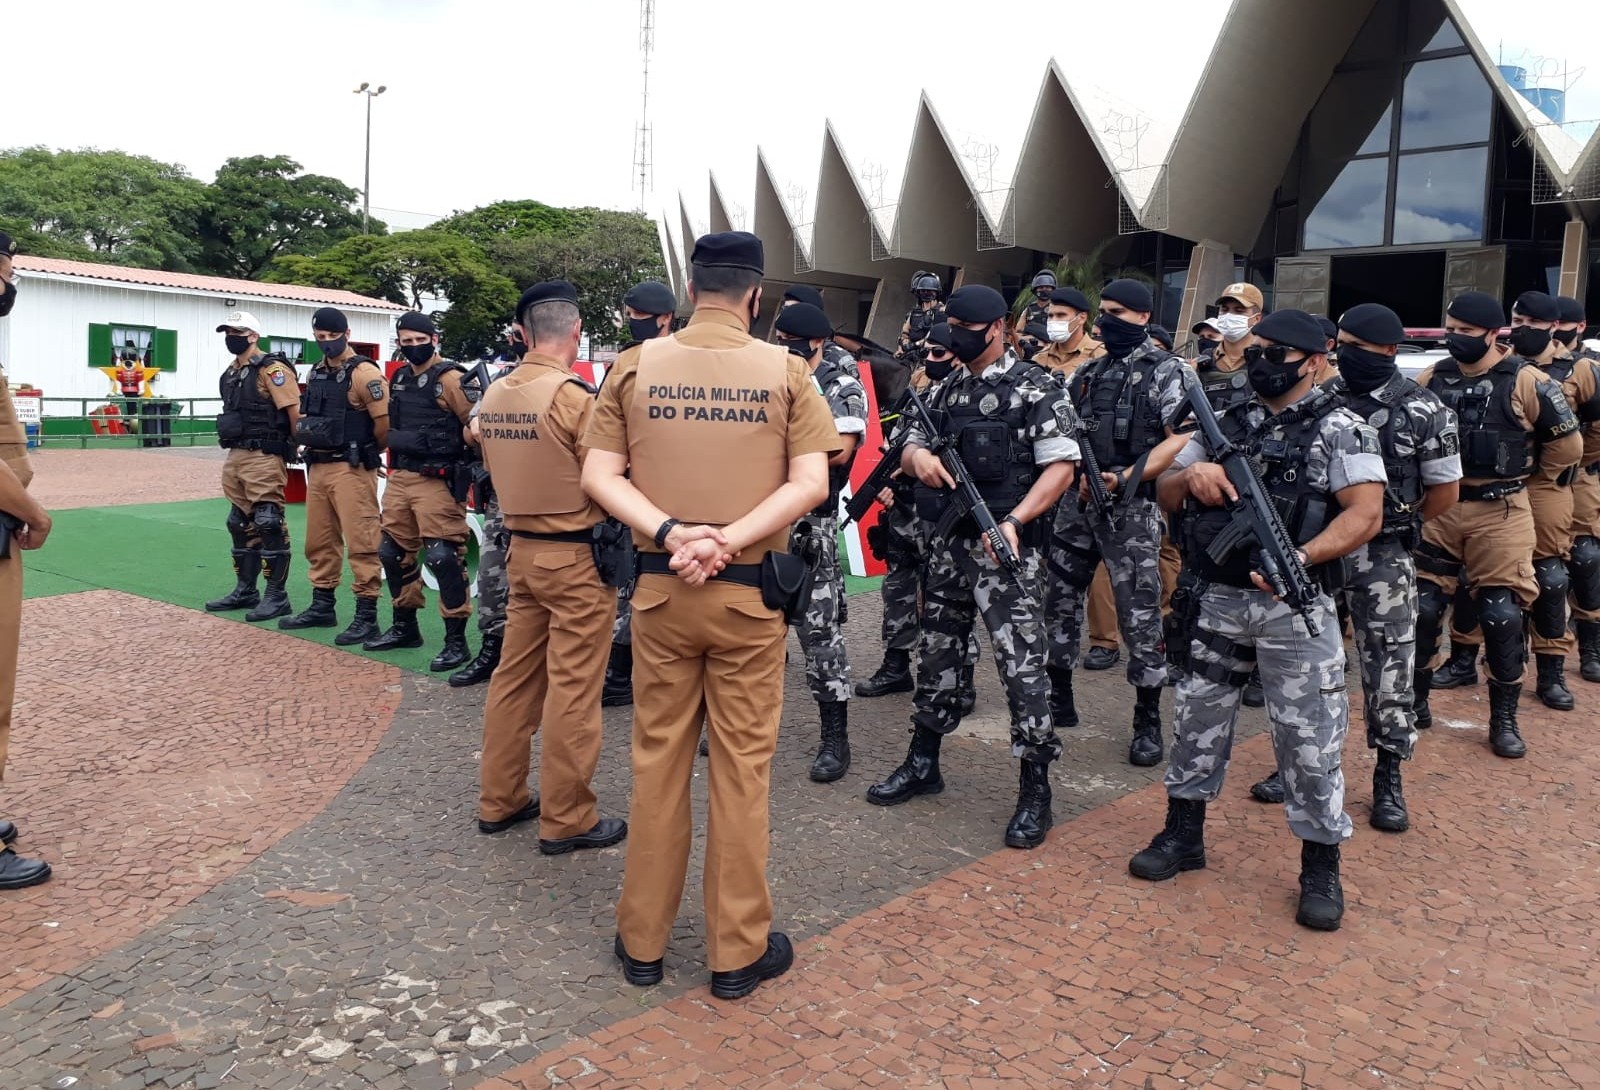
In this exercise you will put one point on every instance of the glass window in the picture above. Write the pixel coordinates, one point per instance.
(133, 344)
(1446, 101)
(1429, 28)
(1354, 115)
(1350, 211)
(1438, 196)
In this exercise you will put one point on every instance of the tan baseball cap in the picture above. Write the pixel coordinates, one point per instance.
(1248, 294)
(241, 319)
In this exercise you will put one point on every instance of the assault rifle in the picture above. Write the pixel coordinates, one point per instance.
(862, 499)
(1089, 470)
(1255, 520)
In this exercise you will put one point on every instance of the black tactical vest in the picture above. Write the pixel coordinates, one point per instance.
(1494, 444)
(327, 421)
(423, 436)
(829, 371)
(919, 321)
(249, 420)
(1224, 389)
(991, 437)
(1385, 409)
(1112, 397)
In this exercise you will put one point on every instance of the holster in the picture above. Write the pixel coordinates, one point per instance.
(9, 524)
(613, 553)
(458, 478)
(786, 585)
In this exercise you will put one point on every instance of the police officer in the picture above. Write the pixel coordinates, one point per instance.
(531, 423)
(710, 445)
(1320, 464)
(1127, 399)
(1421, 457)
(1012, 424)
(1505, 407)
(803, 329)
(344, 420)
(424, 504)
(1031, 339)
(1584, 561)
(925, 312)
(1043, 286)
(833, 352)
(648, 308)
(30, 528)
(260, 405)
(1207, 338)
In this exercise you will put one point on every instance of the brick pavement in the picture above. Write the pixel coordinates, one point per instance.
(66, 478)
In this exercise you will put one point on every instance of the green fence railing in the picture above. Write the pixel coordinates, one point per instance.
(137, 422)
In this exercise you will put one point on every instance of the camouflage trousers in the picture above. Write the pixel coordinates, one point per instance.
(827, 664)
(902, 589)
(1380, 589)
(622, 627)
(1130, 547)
(1303, 678)
(962, 583)
(492, 572)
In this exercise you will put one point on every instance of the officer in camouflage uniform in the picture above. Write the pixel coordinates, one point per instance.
(1422, 460)
(925, 313)
(1012, 424)
(1322, 468)
(1127, 399)
(833, 352)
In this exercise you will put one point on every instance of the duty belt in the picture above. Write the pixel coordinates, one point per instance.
(1499, 490)
(583, 536)
(746, 575)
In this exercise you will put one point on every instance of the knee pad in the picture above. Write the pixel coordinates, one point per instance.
(397, 566)
(267, 518)
(1549, 612)
(1432, 601)
(1501, 619)
(1584, 571)
(443, 559)
(239, 527)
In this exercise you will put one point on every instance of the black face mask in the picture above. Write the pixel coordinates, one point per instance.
(1120, 337)
(1529, 342)
(516, 348)
(238, 346)
(332, 349)
(1270, 379)
(1364, 370)
(417, 354)
(1567, 337)
(644, 329)
(755, 316)
(968, 344)
(1466, 347)
(800, 346)
(938, 370)
(1028, 349)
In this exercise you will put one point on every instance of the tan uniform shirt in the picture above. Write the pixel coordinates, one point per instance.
(1555, 455)
(277, 382)
(563, 424)
(1063, 360)
(13, 438)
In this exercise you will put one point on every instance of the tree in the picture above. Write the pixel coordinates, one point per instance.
(494, 223)
(262, 206)
(102, 206)
(1088, 274)
(603, 254)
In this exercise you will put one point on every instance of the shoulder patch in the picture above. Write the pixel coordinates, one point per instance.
(375, 389)
(277, 376)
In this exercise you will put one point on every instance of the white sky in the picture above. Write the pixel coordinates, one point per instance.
(491, 99)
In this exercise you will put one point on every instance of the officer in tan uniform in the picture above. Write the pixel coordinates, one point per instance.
(531, 424)
(260, 405)
(728, 442)
(26, 525)
(1584, 562)
(424, 503)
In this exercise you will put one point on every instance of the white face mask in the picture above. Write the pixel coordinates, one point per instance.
(1058, 331)
(1233, 327)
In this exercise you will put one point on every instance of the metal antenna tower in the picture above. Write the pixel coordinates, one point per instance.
(642, 138)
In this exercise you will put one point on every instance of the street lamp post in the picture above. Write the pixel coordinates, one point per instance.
(366, 185)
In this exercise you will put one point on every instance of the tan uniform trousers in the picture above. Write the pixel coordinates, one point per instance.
(250, 477)
(1586, 521)
(10, 633)
(1552, 536)
(714, 653)
(1103, 604)
(341, 512)
(1493, 540)
(417, 508)
(557, 641)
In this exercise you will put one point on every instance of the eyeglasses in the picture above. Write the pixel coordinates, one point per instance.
(1275, 354)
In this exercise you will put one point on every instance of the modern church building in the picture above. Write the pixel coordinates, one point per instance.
(1399, 164)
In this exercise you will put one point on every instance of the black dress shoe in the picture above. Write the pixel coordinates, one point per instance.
(607, 831)
(18, 872)
(641, 974)
(527, 813)
(738, 983)
(1102, 658)
(8, 832)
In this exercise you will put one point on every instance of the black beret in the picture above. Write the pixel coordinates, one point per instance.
(1329, 328)
(416, 322)
(1130, 293)
(330, 320)
(1477, 308)
(1373, 323)
(1571, 309)
(651, 297)
(1205, 323)
(547, 291)
(1295, 328)
(7, 245)
(805, 293)
(939, 334)
(729, 250)
(1070, 297)
(975, 303)
(803, 320)
(1160, 335)
(1538, 306)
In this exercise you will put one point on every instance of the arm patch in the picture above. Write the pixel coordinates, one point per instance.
(375, 389)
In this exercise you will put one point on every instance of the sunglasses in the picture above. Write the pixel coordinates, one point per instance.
(1275, 354)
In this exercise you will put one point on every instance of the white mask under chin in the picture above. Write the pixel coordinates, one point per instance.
(1058, 330)
(1233, 327)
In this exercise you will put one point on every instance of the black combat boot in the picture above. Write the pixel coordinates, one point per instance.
(1102, 658)
(1063, 707)
(1552, 683)
(1421, 686)
(1589, 650)
(968, 690)
(917, 775)
(481, 668)
(1269, 789)
(1504, 738)
(1253, 696)
(1146, 749)
(455, 652)
(403, 632)
(275, 602)
(894, 676)
(617, 691)
(1388, 804)
(319, 614)
(1033, 818)
(833, 755)
(1321, 896)
(365, 625)
(1460, 670)
(246, 570)
(1180, 846)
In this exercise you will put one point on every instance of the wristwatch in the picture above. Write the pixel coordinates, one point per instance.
(1014, 521)
(663, 530)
